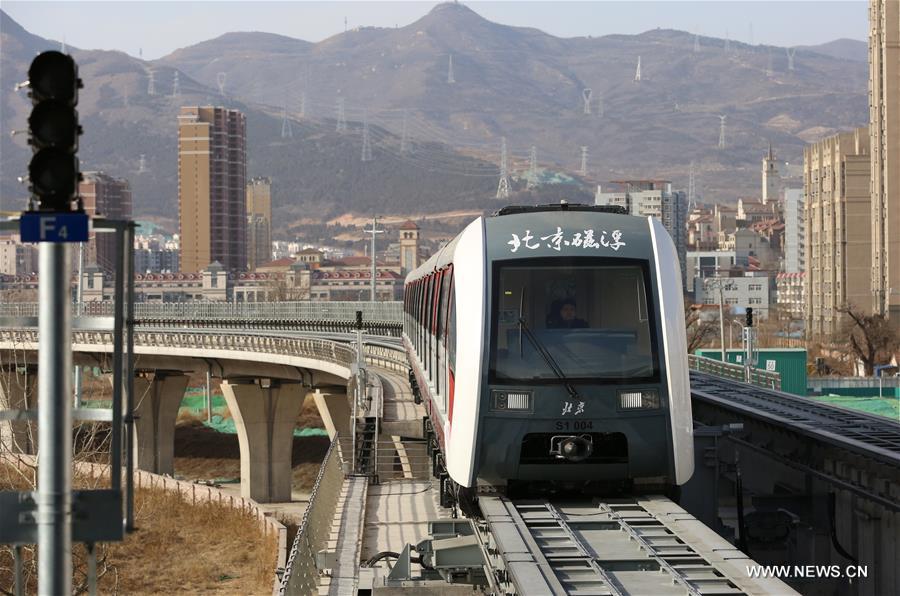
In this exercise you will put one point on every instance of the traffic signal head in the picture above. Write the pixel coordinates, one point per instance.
(54, 75)
(749, 316)
(54, 130)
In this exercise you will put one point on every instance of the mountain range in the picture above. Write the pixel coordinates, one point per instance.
(438, 96)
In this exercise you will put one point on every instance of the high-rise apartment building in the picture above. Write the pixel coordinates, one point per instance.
(109, 197)
(838, 229)
(212, 173)
(259, 222)
(652, 198)
(884, 128)
(794, 231)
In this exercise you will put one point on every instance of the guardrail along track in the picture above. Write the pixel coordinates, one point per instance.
(873, 436)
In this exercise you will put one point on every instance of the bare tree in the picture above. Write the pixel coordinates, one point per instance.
(870, 336)
(699, 331)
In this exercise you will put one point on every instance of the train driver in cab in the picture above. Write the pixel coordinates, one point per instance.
(562, 315)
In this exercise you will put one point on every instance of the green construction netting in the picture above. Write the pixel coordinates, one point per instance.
(882, 406)
(194, 404)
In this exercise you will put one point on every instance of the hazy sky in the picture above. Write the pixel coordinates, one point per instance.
(158, 28)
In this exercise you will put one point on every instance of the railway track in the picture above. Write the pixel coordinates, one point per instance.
(873, 436)
(613, 547)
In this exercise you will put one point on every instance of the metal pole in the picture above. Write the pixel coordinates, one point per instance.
(54, 422)
(374, 231)
(208, 395)
(721, 320)
(78, 312)
(129, 394)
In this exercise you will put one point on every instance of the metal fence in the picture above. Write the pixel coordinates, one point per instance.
(735, 372)
(391, 312)
(817, 384)
(319, 349)
(301, 575)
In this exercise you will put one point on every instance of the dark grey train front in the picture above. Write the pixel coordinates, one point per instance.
(548, 344)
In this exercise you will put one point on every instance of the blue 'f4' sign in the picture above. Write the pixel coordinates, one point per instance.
(35, 226)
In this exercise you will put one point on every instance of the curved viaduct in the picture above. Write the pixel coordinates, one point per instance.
(265, 379)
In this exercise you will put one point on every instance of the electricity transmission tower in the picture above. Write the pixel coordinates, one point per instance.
(404, 138)
(151, 82)
(450, 79)
(532, 168)
(637, 72)
(696, 43)
(692, 190)
(286, 130)
(220, 81)
(586, 95)
(341, 116)
(176, 88)
(790, 55)
(584, 153)
(366, 143)
(303, 105)
(503, 184)
(722, 132)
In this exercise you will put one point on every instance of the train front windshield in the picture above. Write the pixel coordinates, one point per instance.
(585, 321)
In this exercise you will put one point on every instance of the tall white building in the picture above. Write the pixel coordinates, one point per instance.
(652, 198)
(794, 230)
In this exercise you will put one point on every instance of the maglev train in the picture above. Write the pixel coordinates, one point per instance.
(548, 346)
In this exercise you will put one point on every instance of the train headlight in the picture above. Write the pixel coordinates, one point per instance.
(639, 400)
(512, 401)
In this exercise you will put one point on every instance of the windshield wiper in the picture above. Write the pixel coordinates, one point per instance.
(548, 357)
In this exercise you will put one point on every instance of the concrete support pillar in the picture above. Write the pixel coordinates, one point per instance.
(18, 391)
(334, 409)
(265, 414)
(157, 400)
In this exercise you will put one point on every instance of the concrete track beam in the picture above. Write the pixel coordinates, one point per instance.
(265, 413)
(334, 409)
(18, 391)
(157, 400)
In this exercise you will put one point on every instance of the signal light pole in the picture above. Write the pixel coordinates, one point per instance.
(54, 176)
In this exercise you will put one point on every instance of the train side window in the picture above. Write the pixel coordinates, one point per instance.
(451, 325)
(427, 324)
(438, 329)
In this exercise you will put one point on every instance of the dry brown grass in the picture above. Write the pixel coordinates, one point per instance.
(179, 548)
(201, 453)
